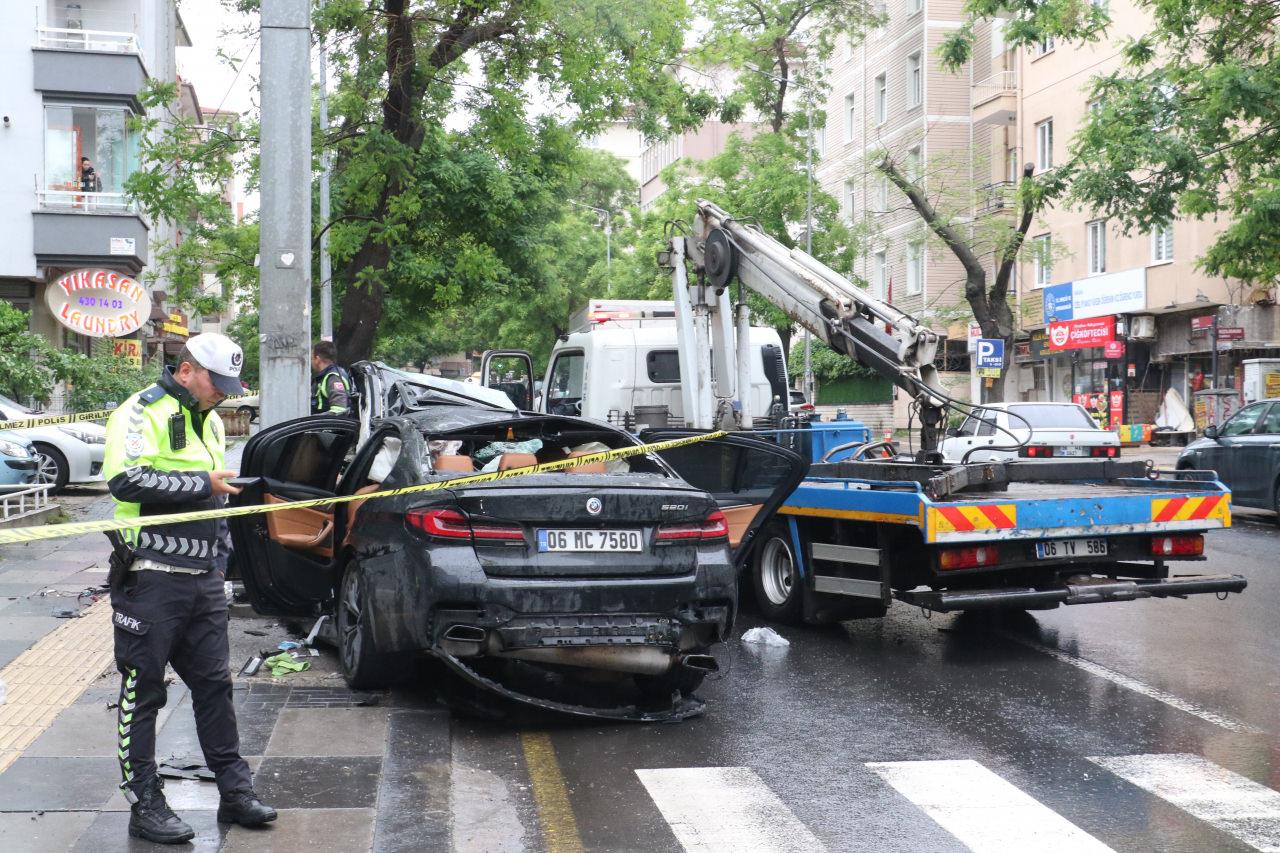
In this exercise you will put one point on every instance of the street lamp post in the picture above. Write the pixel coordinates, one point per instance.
(608, 243)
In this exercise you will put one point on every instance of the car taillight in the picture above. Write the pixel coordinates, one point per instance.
(968, 558)
(715, 526)
(451, 524)
(1106, 451)
(1036, 452)
(1187, 545)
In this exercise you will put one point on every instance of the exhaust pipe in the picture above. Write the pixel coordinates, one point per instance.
(638, 660)
(700, 663)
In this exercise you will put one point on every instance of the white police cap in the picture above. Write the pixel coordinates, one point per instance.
(221, 356)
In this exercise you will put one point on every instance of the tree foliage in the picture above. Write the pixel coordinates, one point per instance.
(1188, 125)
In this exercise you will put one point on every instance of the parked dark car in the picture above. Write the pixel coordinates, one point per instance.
(1245, 451)
(621, 568)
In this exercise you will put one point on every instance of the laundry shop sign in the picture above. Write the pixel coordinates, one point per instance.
(98, 303)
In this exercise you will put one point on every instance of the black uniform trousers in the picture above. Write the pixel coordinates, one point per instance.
(180, 619)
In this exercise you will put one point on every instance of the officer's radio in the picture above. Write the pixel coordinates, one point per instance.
(177, 431)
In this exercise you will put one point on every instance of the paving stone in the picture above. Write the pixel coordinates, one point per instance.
(257, 710)
(58, 784)
(329, 731)
(306, 831)
(413, 799)
(27, 627)
(109, 833)
(79, 731)
(52, 832)
(319, 783)
(183, 794)
(10, 649)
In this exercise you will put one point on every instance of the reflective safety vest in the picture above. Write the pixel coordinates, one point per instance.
(335, 401)
(160, 450)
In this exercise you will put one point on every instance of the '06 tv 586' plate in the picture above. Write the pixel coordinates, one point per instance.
(588, 540)
(1060, 548)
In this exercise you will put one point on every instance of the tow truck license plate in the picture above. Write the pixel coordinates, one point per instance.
(1060, 548)
(588, 540)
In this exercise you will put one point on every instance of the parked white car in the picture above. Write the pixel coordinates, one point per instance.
(241, 406)
(1057, 431)
(68, 453)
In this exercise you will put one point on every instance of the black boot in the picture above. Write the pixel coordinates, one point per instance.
(244, 807)
(151, 817)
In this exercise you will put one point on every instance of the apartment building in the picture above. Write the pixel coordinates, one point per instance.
(889, 96)
(76, 251)
(1109, 319)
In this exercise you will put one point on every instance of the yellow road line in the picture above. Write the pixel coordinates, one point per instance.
(48, 677)
(555, 813)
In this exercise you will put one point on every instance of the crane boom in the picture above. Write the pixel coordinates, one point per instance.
(850, 319)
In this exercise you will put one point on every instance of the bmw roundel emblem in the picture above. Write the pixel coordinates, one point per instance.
(594, 506)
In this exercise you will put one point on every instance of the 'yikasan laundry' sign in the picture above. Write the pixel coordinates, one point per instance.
(98, 303)
(1097, 296)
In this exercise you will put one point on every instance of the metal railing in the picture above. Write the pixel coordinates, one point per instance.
(21, 501)
(73, 38)
(1000, 83)
(82, 201)
(995, 197)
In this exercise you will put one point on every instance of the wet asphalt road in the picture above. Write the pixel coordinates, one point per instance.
(1198, 677)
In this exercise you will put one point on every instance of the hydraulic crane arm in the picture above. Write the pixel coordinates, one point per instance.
(851, 320)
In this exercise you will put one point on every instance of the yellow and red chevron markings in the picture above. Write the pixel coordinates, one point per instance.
(1192, 509)
(965, 519)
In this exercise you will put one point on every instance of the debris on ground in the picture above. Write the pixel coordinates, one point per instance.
(765, 637)
(177, 768)
(285, 663)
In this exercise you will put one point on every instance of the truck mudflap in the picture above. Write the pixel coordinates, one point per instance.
(1093, 591)
(682, 708)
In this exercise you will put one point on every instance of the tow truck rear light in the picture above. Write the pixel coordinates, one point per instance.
(1187, 545)
(1111, 452)
(1036, 452)
(968, 558)
(451, 524)
(716, 526)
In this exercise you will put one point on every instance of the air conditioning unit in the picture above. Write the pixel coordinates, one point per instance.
(1142, 327)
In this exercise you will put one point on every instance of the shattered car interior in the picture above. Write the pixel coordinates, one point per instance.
(598, 590)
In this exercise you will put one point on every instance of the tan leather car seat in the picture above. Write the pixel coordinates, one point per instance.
(588, 468)
(516, 460)
(454, 463)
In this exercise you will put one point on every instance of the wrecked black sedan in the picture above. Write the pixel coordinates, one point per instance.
(554, 589)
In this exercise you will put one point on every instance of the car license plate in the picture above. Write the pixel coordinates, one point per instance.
(1056, 549)
(1069, 451)
(588, 540)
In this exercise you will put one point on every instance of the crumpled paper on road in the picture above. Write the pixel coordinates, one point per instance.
(766, 637)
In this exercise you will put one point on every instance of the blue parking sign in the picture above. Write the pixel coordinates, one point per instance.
(990, 353)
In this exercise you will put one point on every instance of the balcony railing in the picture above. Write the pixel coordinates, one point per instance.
(996, 197)
(73, 38)
(75, 200)
(989, 88)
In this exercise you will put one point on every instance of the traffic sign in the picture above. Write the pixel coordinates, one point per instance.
(990, 353)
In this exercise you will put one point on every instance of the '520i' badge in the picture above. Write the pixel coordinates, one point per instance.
(594, 506)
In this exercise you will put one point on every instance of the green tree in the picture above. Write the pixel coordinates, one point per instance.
(1187, 126)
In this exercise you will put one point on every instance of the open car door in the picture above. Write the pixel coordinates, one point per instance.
(749, 478)
(286, 558)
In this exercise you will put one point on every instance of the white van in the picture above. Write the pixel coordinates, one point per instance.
(621, 364)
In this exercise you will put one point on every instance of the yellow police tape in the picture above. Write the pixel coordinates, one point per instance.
(75, 528)
(78, 417)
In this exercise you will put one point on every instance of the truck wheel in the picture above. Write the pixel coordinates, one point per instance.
(778, 587)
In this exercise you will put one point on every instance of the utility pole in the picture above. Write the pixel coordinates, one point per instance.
(326, 164)
(284, 302)
(808, 240)
(608, 243)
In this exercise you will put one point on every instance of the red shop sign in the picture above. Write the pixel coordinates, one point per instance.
(1113, 349)
(1082, 334)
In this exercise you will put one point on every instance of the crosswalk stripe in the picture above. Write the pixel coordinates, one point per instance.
(1228, 801)
(982, 810)
(725, 808)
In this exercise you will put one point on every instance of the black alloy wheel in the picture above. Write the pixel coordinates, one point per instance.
(362, 666)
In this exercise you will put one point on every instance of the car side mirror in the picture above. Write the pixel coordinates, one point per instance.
(1211, 431)
(953, 432)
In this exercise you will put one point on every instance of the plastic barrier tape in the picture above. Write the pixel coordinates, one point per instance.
(102, 415)
(55, 531)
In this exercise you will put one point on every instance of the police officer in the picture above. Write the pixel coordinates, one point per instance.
(164, 455)
(331, 394)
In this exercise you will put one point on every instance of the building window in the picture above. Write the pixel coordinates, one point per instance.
(1162, 244)
(1042, 259)
(882, 195)
(1044, 145)
(100, 134)
(1097, 231)
(849, 115)
(915, 82)
(850, 199)
(1045, 45)
(879, 273)
(914, 172)
(915, 266)
(1099, 4)
(1011, 165)
(881, 11)
(882, 98)
(914, 6)
(1094, 106)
